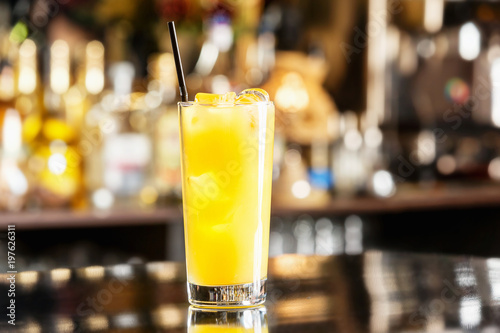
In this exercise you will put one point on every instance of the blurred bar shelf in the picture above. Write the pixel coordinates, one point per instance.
(408, 198)
(90, 219)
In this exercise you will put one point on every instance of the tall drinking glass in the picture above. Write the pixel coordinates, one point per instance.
(227, 157)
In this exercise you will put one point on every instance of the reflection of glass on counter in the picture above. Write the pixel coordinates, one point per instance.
(228, 321)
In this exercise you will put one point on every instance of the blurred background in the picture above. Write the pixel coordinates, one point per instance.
(388, 116)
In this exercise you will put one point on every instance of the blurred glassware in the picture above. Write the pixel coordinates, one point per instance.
(324, 236)
(382, 184)
(303, 231)
(353, 234)
(329, 239)
(276, 237)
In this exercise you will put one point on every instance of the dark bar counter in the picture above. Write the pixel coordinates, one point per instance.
(372, 292)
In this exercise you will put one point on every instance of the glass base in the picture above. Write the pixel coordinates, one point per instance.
(236, 295)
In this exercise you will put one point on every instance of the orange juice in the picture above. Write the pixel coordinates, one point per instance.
(227, 147)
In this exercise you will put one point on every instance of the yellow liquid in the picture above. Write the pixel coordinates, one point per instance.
(227, 174)
(222, 329)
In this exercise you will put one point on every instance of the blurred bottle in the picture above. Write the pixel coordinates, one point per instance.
(320, 173)
(353, 234)
(293, 187)
(303, 230)
(329, 237)
(293, 184)
(7, 78)
(91, 135)
(56, 162)
(126, 152)
(13, 181)
(162, 90)
(348, 167)
(214, 63)
(29, 99)
(255, 46)
(380, 182)
(93, 73)
(278, 154)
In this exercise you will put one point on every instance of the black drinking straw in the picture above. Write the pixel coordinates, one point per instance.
(178, 64)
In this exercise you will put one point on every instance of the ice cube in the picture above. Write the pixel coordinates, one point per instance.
(252, 95)
(204, 98)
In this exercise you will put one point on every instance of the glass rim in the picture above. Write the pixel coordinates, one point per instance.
(190, 103)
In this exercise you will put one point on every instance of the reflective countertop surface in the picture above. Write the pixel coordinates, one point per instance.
(372, 292)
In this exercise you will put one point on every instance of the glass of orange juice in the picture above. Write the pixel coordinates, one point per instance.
(227, 157)
(228, 321)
